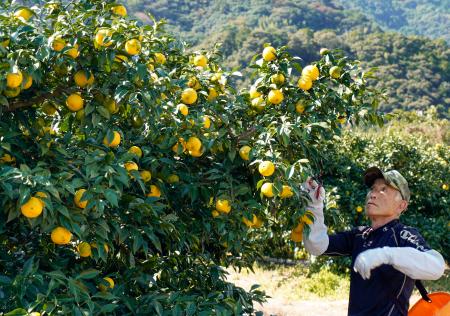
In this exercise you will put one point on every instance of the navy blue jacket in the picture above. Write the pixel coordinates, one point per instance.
(388, 290)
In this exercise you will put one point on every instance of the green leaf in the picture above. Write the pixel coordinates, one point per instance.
(17, 312)
(88, 274)
(111, 196)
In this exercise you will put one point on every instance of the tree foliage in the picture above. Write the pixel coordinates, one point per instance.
(124, 185)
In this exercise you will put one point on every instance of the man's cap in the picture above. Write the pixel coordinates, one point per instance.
(392, 178)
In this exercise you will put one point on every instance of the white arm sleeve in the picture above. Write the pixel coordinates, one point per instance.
(317, 241)
(418, 265)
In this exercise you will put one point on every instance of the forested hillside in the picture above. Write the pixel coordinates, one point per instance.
(420, 17)
(413, 71)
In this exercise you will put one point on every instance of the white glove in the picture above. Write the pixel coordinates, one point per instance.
(370, 259)
(418, 265)
(317, 241)
(316, 193)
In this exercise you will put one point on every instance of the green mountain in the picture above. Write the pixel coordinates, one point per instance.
(430, 18)
(413, 71)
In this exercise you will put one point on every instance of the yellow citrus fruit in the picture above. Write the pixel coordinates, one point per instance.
(35, 314)
(58, 44)
(244, 152)
(300, 107)
(212, 94)
(133, 47)
(286, 192)
(154, 191)
(206, 121)
(173, 178)
(28, 81)
(223, 206)
(267, 189)
(306, 218)
(40, 195)
(48, 108)
(250, 223)
(359, 209)
(189, 96)
(269, 53)
(277, 79)
(324, 51)
(299, 227)
(311, 71)
(193, 144)
(32, 208)
(257, 223)
(296, 237)
(7, 158)
(254, 92)
(194, 83)
(24, 13)
(131, 165)
(111, 105)
(258, 103)
(74, 102)
(61, 236)
(115, 141)
(200, 61)
(342, 119)
(266, 168)
(275, 96)
(214, 213)
(195, 153)
(5, 42)
(160, 58)
(119, 10)
(101, 35)
(11, 92)
(135, 150)
(84, 249)
(305, 83)
(216, 77)
(445, 187)
(335, 72)
(183, 109)
(82, 80)
(14, 80)
(73, 51)
(105, 288)
(146, 175)
(77, 198)
(183, 144)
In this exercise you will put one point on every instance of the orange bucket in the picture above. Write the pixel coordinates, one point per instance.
(439, 305)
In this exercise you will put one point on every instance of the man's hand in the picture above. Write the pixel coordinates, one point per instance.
(369, 260)
(315, 191)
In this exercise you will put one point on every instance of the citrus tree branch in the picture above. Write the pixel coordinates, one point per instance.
(39, 98)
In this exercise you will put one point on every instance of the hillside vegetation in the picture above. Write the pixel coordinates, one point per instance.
(412, 70)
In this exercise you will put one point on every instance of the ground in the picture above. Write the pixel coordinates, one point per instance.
(284, 301)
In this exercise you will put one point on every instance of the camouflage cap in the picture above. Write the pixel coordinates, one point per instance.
(392, 178)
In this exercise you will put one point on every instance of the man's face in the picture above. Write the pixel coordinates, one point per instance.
(383, 200)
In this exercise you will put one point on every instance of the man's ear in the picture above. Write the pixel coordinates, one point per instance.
(403, 206)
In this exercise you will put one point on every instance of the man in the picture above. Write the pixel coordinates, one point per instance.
(387, 257)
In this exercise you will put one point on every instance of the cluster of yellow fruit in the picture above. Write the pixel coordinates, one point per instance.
(297, 232)
(193, 146)
(16, 82)
(309, 74)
